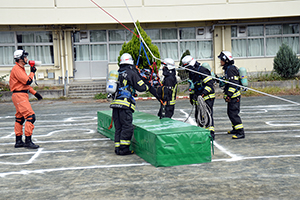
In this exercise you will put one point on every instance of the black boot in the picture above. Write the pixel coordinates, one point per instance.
(238, 136)
(29, 144)
(19, 142)
(125, 151)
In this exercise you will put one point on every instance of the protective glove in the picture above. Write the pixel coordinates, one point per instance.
(38, 96)
(227, 99)
(191, 85)
(32, 69)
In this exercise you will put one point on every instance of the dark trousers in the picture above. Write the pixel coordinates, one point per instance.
(210, 103)
(233, 110)
(123, 127)
(166, 111)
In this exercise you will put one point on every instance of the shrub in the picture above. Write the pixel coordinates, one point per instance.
(183, 74)
(100, 96)
(286, 63)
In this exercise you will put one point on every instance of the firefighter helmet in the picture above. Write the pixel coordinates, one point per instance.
(225, 56)
(188, 61)
(126, 59)
(20, 54)
(169, 63)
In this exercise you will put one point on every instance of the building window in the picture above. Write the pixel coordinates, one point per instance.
(7, 48)
(172, 43)
(39, 45)
(263, 40)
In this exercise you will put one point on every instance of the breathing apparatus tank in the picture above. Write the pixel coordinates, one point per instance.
(243, 76)
(207, 66)
(111, 84)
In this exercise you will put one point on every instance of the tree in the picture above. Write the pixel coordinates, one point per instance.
(183, 74)
(133, 47)
(286, 62)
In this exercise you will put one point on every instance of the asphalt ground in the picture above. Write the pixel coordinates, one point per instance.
(76, 162)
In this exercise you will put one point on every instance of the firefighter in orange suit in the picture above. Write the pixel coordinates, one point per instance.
(19, 83)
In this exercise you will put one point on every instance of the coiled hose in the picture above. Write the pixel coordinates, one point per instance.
(204, 113)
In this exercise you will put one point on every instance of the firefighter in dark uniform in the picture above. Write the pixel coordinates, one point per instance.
(232, 94)
(123, 104)
(167, 92)
(202, 85)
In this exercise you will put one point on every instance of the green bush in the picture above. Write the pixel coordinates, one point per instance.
(133, 47)
(183, 74)
(286, 63)
(100, 96)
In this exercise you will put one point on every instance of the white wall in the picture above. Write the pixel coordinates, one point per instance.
(85, 12)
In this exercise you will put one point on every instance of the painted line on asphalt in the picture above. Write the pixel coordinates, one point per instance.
(36, 154)
(64, 141)
(38, 171)
(222, 149)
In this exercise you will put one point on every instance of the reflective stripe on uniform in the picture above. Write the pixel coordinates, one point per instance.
(140, 83)
(239, 126)
(211, 128)
(124, 82)
(172, 102)
(124, 103)
(124, 142)
(207, 79)
(238, 93)
(210, 96)
(231, 89)
(117, 144)
(208, 89)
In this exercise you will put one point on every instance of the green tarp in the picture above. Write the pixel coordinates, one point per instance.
(163, 142)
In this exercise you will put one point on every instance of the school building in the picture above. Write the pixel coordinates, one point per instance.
(80, 41)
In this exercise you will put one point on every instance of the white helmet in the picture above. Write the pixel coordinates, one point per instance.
(225, 56)
(20, 54)
(169, 63)
(126, 59)
(188, 61)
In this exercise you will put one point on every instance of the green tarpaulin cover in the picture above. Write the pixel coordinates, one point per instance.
(163, 142)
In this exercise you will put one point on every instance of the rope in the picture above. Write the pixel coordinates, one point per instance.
(113, 18)
(189, 114)
(204, 113)
(140, 36)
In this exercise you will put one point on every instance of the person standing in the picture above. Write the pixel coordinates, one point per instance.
(167, 92)
(123, 103)
(19, 83)
(232, 94)
(203, 85)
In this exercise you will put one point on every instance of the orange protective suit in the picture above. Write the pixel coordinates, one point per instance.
(19, 83)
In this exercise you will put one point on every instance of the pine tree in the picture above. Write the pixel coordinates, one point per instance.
(286, 62)
(133, 47)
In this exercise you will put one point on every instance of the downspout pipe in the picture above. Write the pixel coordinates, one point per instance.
(62, 57)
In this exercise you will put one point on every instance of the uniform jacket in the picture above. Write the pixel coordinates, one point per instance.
(204, 85)
(128, 79)
(19, 80)
(167, 92)
(231, 75)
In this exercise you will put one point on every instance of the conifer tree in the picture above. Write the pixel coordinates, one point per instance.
(286, 62)
(133, 47)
